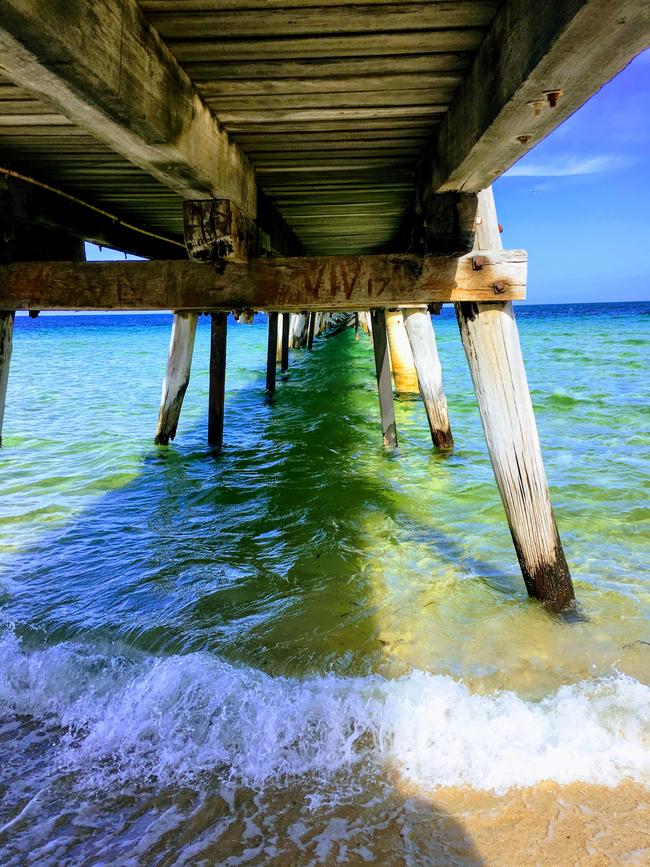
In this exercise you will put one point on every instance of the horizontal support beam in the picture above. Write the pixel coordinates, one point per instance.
(105, 67)
(311, 283)
(537, 64)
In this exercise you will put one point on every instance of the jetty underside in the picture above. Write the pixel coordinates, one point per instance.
(302, 157)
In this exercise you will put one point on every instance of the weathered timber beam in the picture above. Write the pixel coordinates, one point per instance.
(313, 283)
(27, 205)
(105, 67)
(538, 63)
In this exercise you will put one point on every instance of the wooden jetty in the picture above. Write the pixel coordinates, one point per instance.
(300, 157)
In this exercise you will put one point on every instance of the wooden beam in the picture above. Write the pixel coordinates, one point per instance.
(491, 342)
(6, 339)
(536, 65)
(310, 331)
(271, 350)
(419, 329)
(177, 377)
(401, 357)
(105, 67)
(315, 283)
(284, 352)
(384, 382)
(217, 394)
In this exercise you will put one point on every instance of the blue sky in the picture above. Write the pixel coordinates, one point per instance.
(579, 202)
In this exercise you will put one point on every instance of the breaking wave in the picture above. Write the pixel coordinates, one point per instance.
(176, 719)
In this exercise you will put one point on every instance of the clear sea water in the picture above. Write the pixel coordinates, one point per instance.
(203, 658)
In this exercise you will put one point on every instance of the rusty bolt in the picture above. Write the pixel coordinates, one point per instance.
(537, 105)
(478, 262)
(499, 288)
(524, 139)
(553, 96)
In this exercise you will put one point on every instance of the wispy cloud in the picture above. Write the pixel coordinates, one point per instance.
(565, 166)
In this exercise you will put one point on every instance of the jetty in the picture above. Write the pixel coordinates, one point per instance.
(307, 158)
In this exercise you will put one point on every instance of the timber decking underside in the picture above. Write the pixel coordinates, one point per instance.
(333, 101)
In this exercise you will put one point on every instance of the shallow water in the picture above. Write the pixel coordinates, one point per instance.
(212, 657)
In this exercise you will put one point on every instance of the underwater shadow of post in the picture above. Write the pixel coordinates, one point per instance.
(203, 553)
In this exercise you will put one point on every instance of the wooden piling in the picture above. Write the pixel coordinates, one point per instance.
(310, 332)
(422, 339)
(384, 383)
(216, 400)
(177, 377)
(271, 353)
(401, 357)
(491, 341)
(284, 353)
(6, 341)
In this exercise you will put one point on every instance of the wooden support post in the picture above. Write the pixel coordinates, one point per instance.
(217, 379)
(384, 383)
(310, 333)
(401, 357)
(491, 342)
(356, 326)
(270, 353)
(284, 353)
(177, 377)
(419, 329)
(6, 340)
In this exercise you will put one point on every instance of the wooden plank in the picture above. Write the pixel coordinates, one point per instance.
(345, 45)
(324, 67)
(384, 382)
(491, 342)
(217, 394)
(104, 67)
(6, 340)
(310, 283)
(342, 84)
(219, 24)
(502, 109)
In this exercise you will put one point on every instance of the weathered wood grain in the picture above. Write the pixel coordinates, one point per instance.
(6, 340)
(401, 358)
(571, 47)
(271, 22)
(177, 377)
(491, 342)
(419, 329)
(107, 69)
(217, 388)
(312, 283)
(384, 382)
(271, 350)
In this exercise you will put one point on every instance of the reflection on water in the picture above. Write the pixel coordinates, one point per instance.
(311, 585)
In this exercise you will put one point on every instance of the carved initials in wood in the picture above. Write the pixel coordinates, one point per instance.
(313, 280)
(350, 281)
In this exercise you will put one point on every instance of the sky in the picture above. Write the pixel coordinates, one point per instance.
(579, 202)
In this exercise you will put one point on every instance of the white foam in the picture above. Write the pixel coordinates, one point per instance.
(176, 718)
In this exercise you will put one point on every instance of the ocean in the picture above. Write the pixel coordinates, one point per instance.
(305, 650)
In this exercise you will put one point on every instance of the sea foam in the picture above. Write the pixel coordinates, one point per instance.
(175, 720)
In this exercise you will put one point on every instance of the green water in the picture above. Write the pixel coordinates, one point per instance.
(304, 551)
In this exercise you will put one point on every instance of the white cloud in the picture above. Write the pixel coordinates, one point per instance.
(565, 166)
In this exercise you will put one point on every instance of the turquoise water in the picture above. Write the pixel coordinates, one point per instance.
(263, 621)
